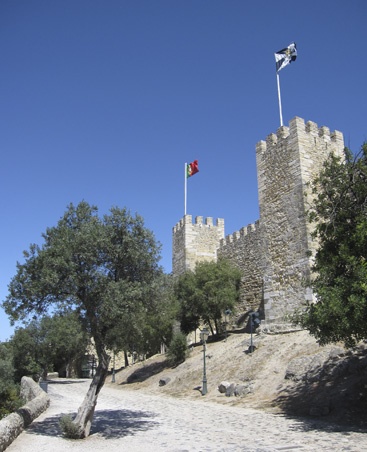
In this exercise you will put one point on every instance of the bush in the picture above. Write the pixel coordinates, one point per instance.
(69, 429)
(10, 400)
(178, 350)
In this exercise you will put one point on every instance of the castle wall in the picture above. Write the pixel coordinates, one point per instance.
(273, 254)
(195, 242)
(244, 248)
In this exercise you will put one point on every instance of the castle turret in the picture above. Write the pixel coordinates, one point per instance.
(195, 242)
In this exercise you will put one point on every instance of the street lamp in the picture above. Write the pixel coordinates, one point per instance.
(204, 334)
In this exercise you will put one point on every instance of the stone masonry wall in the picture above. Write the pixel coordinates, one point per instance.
(244, 248)
(286, 162)
(195, 242)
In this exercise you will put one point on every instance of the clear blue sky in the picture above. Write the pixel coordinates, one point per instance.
(105, 101)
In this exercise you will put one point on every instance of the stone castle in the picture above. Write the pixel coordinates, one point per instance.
(274, 252)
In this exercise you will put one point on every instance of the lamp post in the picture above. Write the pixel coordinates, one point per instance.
(204, 334)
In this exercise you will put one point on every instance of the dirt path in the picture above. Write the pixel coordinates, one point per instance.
(140, 421)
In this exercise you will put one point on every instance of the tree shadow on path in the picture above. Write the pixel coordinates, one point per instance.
(146, 371)
(108, 424)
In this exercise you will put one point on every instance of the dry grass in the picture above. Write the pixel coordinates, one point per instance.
(230, 361)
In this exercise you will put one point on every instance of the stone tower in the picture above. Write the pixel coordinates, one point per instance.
(273, 253)
(195, 242)
(286, 163)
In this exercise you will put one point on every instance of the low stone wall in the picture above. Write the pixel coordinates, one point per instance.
(37, 402)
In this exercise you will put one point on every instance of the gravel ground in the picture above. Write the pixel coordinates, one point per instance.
(139, 421)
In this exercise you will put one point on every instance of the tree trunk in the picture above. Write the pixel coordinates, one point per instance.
(86, 410)
(126, 359)
(211, 328)
(44, 374)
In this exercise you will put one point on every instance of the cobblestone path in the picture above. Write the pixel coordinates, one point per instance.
(132, 421)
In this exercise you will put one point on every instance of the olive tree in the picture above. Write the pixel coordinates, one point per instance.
(101, 268)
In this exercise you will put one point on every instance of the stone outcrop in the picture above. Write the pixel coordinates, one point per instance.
(233, 389)
(37, 401)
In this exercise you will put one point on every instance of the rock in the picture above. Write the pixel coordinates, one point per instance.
(222, 388)
(163, 381)
(306, 368)
(230, 390)
(242, 390)
(336, 352)
(29, 390)
(52, 375)
(13, 424)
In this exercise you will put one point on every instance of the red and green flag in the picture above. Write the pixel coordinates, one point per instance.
(192, 168)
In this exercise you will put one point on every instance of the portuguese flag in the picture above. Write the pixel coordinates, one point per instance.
(192, 168)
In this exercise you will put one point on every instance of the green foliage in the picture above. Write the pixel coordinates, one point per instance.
(206, 293)
(190, 310)
(177, 350)
(99, 267)
(6, 366)
(10, 400)
(339, 216)
(30, 352)
(48, 344)
(161, 314)
(9, 391)
(68, 428)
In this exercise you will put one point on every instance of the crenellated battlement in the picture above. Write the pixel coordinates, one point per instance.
(199, 221)
(241, 234)
(299, 129)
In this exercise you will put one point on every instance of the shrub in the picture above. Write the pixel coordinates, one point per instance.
(69, 429)
(10, 400)
(178, 350)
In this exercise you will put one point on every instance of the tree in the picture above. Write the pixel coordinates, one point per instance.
(190, 310)
(48, 343)
(9, 391)
(67, 339)
(32, 355)
(101, 268)
(161, 314)
(146, 326)
(206, 293)
(339, 215)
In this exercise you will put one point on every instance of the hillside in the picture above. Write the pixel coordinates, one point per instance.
(287, 373)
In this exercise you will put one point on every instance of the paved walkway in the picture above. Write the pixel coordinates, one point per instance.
(131, 421)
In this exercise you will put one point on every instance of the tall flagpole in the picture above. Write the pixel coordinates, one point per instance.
(283, 58)
(185, 175)
(280, 101)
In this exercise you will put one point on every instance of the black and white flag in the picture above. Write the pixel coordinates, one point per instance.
(285, 56)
